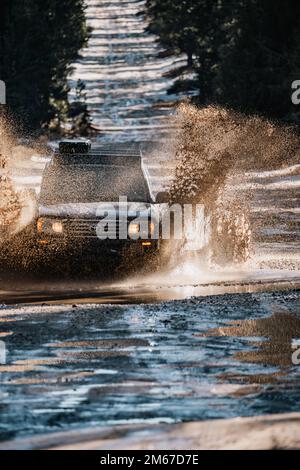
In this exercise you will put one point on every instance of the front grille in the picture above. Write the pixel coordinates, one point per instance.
(86, 228)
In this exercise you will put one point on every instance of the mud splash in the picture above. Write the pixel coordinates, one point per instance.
(10, 207)
(213, 142)
(214, 147)
(16, 207)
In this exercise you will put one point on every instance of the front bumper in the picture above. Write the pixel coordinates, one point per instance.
(56, 243)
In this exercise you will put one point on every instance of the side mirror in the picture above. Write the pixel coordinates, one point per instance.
(162, 197)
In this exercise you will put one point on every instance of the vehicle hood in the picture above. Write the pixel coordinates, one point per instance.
(94, 209)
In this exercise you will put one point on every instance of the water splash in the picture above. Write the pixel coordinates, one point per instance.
(215, 147)
(213, 143)
(17, 208)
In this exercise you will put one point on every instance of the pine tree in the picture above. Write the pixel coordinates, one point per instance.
(39, 40)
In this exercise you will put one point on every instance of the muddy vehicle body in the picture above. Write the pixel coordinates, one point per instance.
(79, 205)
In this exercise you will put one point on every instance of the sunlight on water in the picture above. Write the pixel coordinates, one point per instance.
(125, 76)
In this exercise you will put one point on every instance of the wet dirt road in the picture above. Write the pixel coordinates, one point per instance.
(124, 293)
(101, 365)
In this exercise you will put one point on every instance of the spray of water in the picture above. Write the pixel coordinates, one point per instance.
(16, 207)
(214, 146)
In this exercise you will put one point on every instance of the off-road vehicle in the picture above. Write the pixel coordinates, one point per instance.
(79, 202)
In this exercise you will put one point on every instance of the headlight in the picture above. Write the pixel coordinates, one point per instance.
(134, 230)
(143, 230)
(57, 227)
(48, 226)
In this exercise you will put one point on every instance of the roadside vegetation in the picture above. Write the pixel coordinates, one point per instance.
(39, 40)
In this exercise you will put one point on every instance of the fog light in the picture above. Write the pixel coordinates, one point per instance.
(57, 227)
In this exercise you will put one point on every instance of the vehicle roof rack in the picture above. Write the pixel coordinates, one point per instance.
(124, 149)
(102, 154)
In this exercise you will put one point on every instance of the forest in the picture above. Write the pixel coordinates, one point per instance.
(39, 40)
(245, 53)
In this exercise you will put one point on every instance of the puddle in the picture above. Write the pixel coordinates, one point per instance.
(211, 357)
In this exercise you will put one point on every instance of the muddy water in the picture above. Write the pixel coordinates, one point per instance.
(213, 357)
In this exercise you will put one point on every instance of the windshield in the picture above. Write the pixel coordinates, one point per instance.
(94, 183)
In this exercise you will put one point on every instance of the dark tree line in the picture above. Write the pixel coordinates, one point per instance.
(246, 53)
(39, 40)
